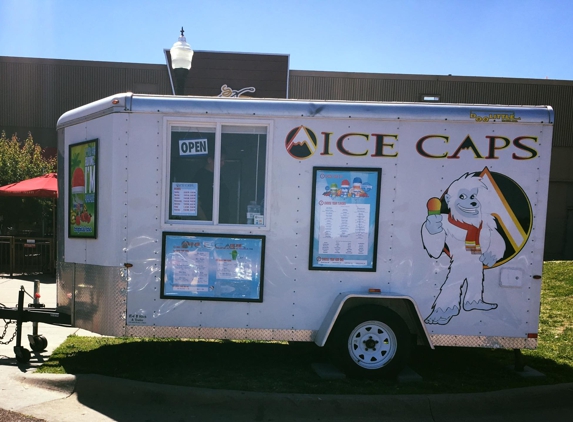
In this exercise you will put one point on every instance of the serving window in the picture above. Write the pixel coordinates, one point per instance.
(217, 174)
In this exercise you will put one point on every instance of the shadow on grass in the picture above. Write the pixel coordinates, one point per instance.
(281, 367)
(227, 365)
(473, 369)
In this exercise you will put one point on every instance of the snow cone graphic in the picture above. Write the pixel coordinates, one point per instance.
(78, 185)
(356, 191)
(333, 190)
(434, 206)
(344, 188)
(357, 183)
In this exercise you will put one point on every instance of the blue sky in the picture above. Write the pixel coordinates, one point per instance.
(509, 38)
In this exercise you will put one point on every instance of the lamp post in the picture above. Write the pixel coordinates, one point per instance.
(181, 56)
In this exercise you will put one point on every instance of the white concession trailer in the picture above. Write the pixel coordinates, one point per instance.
(367, 227)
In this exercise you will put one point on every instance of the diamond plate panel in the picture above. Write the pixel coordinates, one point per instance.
(484, 341)
(221, 333)
(65, 287)
(99, 299)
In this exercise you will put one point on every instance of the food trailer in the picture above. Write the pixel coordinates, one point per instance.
(365, 227)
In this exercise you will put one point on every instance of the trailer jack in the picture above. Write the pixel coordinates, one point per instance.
(35, 312)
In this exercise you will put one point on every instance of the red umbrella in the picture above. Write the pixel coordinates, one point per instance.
(45, 186)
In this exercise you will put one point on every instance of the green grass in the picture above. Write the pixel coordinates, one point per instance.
(556, 318)
(284, 367)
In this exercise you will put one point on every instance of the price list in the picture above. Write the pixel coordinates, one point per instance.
(344, 229)
(184, 199)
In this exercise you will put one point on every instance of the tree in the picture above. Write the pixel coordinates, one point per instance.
(21, 160)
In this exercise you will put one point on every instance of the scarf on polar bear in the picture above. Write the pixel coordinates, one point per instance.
(472, 234)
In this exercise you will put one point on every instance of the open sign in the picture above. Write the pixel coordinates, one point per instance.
(193, 147)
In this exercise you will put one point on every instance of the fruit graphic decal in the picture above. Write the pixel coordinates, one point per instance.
(82, 190)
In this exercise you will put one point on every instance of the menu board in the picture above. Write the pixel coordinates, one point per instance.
(184, 199)
(212, 266)
(344, 225)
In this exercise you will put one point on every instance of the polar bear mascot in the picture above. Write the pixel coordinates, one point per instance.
(469, 236)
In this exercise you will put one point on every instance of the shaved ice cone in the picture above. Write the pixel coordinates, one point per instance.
(434, 206)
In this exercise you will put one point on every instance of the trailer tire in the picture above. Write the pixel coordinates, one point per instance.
(39, 343)
(370, 341)
(23, 355)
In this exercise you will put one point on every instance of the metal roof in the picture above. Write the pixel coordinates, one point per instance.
(137, 103)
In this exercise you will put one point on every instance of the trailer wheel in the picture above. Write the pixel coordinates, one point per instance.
(38, 343)
(23, 355)
(371, 341)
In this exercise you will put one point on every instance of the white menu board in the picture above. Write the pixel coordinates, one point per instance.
(344, 224)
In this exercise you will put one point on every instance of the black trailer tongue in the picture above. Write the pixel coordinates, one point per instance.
(36, 313)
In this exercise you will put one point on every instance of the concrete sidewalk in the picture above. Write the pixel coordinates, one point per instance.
(89, 398)
(15, 391)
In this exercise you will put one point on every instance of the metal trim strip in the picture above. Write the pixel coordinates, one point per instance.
(484, 341)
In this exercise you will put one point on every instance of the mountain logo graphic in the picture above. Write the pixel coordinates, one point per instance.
(301, 143)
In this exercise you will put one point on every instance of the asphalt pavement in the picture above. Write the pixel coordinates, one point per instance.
(63, 398)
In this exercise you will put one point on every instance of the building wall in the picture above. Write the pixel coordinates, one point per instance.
(450, 89)
(36, 92)
(266, 73)
(471, 90)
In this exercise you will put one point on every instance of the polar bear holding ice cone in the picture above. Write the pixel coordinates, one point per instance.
(469, 236)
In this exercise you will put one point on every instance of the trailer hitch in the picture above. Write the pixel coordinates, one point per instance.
(35, 313)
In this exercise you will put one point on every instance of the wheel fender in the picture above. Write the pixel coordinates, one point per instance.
(337, 306)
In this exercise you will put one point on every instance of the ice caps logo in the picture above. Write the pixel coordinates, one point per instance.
(301, 143)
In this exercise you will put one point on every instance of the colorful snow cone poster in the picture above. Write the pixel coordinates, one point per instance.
(82, 192)
(344, 225)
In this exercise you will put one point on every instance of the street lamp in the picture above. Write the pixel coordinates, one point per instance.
(181, 56)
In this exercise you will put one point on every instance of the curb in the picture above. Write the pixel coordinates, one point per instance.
(61, 383)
